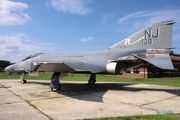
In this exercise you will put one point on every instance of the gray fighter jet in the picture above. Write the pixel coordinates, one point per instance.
(151, 45)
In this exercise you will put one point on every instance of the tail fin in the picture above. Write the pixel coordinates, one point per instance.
(158, 35)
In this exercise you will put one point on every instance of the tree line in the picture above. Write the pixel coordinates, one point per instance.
(4, 64)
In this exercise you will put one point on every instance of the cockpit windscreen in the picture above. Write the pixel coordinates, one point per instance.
(31, 56)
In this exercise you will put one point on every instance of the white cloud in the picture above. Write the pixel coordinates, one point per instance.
(147, 17)
(71, 6)
(11, 13)
(136, 21)
(87, 39)
(106, 17)
(133, 15)
(16, 47)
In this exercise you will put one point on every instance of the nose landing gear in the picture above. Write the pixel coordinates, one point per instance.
(23, 81)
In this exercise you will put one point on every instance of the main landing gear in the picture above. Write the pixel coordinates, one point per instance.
(92, 79)
(55, 85)
(23, 81)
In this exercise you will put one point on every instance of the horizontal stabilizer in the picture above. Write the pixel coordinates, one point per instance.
(162, 61)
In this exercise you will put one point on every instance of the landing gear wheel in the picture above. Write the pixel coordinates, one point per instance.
(91, 82)
(56, 89)
(23, 81)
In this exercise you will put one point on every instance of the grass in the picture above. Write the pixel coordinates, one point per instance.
(144, 117)
(28, 102)
(171, 81)
(43, 76)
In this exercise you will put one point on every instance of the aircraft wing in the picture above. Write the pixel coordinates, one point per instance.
(53, 67)
(162, 61)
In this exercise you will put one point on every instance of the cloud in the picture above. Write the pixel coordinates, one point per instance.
(11, 49)
(138, 20)
(87, 39)
(11, 13)
(147, 17)
(71, 6)
(16, 47)
(133, 15)
(106, 17)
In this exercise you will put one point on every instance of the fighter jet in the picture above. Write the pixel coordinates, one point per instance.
(151, 45)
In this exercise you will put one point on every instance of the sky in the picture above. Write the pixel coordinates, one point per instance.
(54, 26)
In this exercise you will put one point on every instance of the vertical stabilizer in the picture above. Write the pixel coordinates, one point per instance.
(158, 35)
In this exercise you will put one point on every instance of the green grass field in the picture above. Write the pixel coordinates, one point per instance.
(144, 117)
(171, 81)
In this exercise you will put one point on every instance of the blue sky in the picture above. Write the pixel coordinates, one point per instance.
(54, 26)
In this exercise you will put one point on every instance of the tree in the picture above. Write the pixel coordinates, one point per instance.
(4, 64)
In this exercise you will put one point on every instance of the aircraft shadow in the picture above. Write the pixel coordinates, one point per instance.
(95, 92)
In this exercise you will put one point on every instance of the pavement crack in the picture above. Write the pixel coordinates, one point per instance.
(27, 101)
(32, 105)
(127, 103)
(157, 101)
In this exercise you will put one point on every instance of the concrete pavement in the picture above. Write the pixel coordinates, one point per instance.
(34, 100)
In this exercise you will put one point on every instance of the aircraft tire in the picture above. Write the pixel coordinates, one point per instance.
(23, 81)
(56, 89)
(91, 82)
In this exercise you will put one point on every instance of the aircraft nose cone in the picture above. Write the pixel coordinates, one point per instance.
(8, 69)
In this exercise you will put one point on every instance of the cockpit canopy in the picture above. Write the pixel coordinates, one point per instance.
(31, 56)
